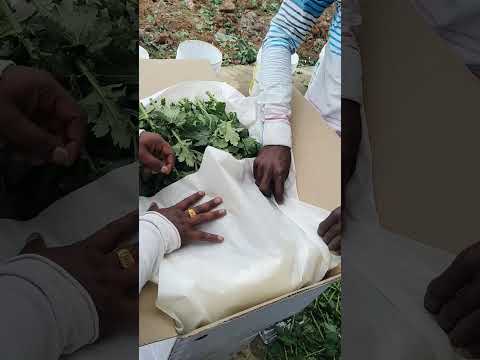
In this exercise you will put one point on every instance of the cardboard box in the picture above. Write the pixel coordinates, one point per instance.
(422, 107)
(316, 151)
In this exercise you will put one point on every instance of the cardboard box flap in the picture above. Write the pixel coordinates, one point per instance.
(421, 106)
(317, 155)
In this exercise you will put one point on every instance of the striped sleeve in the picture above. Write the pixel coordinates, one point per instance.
(293, 22)
(288, 29)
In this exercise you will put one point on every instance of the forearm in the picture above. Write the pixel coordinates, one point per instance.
(45, 312)
(275, 81)
(288, 30)
(158, 237)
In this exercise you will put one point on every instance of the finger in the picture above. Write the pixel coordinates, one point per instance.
(190, 201)
(126, 279)
(150, 161)
(335, 244)
(278, 188)
(465, 302)
(108, 238)
(265, 184)
(443, 288)
(26, 136)
(207, 217)
(326, 224)
(209, 205)
(466, 332)
(207, 237)
(34, 244)
(334, 231)
(256, 174)
(73, 120)
(169, 159)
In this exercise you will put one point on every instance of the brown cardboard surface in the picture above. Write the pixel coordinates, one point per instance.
(158, 74)
(317, 158)
(422, 108)
(316, 152)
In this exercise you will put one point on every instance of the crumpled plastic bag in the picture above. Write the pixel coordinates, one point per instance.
(269, 249)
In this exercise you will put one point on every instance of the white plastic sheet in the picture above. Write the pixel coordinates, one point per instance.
(269, 250)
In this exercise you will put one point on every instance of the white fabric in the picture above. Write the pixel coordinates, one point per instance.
(325, 89)
(45, 312)
(269, 250)
(70, 219)
(157, 238)
(274, 93)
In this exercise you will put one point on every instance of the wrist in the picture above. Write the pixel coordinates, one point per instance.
(277, 133)
(165, 228)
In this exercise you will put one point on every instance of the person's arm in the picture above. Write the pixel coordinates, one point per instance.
(45, 312)
(158, 237)
(288, 30)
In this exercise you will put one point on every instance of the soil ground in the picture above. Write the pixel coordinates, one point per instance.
(237, 33)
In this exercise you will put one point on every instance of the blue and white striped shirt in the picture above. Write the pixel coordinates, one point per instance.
(295, 19)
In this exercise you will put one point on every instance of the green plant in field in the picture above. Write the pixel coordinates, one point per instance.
(313, 334)
(246, 52)
(191, 126)
(270, 6)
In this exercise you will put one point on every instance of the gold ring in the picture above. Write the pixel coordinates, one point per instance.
(192, 213)
(125, 258)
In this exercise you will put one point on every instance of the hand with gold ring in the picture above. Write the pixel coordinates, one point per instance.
(186, 217)
(106, 269)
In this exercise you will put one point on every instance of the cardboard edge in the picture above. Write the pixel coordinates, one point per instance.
(326, 281)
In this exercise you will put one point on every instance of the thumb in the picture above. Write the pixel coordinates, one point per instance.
(34, 244)
(28, 137)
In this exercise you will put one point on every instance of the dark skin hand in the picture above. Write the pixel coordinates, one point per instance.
(40, 120)
(454, 299)
(95, 264)
(271, 169)
(330, 230)
(187, 226)
(155, 153)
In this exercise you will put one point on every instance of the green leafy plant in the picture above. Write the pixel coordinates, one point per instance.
(191, 126)
(90, 46)
(313, 334)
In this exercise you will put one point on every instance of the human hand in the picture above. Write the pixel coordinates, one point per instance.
(454, 299)
(95, 264)
(330, 230)
(152, 145)
(271, 169)
(39, 118)
(186, 225)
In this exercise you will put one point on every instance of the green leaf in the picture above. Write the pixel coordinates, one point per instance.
(104, 113)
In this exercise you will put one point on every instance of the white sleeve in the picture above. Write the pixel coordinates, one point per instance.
(45, 312)
(158, 237)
